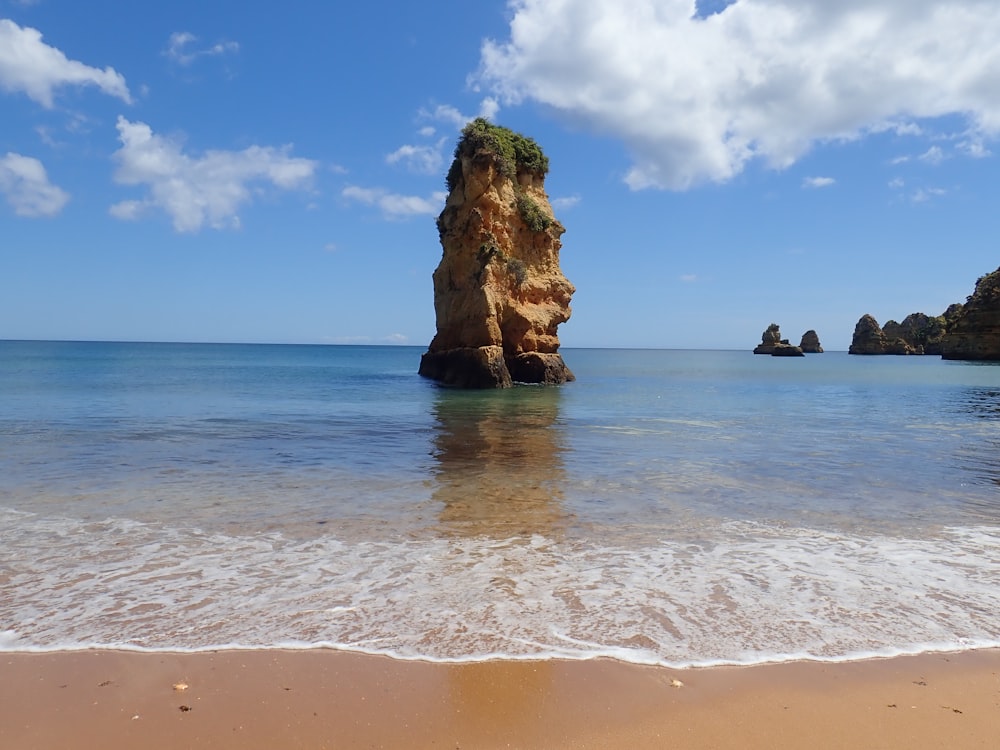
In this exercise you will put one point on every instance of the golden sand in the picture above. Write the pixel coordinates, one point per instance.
(326, 699)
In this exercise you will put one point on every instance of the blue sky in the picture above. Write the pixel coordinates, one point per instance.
(223, 171)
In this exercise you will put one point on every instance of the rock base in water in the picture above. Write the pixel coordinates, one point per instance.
(486, 367)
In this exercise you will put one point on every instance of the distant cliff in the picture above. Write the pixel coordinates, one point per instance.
(499, 294)
(975, 331)
(917, 334)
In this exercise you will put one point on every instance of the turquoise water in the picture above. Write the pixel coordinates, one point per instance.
(675, 507)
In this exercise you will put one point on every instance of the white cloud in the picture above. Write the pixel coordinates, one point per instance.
(689, 278)
(394, 205)
(697, 99)
(421, 159)
(195, 191)
(29, 65)
(925, 194)
(566, 202)
(488, 108)
(974, 148)
(933, 155)
(896, 183)
(179, 48)
(26, 186)
(818, 182)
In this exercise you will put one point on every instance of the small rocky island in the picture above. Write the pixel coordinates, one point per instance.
(772, 343)
(499, 294)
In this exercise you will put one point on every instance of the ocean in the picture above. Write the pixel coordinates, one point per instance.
(683, 508)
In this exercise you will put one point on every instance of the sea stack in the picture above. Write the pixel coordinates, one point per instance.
(975, 332)
(810, 343)
(868, 337)
(499, 294)
(768, 340)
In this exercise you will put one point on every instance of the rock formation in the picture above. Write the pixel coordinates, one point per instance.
(499, 294)
(868, 337)
(810, 343)
(917, 334)
(772, 343)
(784, 349)
(768, 340)
(975, 331)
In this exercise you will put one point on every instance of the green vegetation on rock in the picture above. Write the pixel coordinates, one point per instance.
(534, 217)
(512, 151)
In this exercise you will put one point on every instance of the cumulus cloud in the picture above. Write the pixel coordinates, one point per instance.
(199, 190)
(394, 205)
(818, 182)
(25, 185)
(29, 65)
(179, 48)
(698, 98)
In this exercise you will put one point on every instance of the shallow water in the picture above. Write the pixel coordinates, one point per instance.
(678, 507)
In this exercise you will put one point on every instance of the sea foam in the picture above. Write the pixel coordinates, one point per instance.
(747, 593)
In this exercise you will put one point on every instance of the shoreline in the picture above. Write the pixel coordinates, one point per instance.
(326, 698)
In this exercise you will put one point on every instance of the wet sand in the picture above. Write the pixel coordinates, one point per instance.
(328, 699)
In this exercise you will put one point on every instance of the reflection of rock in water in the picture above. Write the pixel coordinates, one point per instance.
(499, 461)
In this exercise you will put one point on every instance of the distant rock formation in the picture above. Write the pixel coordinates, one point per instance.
(868, 337)
(917, 334)
(499, 294)
(784, 349)
(768, 340)
(975, 331)
(772, 343)
(810, 343)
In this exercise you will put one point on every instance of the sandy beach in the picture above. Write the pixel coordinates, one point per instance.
(329, 699)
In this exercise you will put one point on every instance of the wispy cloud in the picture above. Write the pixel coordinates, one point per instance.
(25, 184)
(566, 202)
(29, 65)
(426, 159)
(394, 205)
(180, 48)
(922, 195)
(818, 182)
(196, 191)
(934, 155)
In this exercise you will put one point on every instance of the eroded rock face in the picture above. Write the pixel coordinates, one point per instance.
(975, 332)
(810, 343)
(868, 337)
(768, 340)
(499, 294)
(784, 349)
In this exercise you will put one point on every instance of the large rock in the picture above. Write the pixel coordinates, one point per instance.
(784, 349)
(922, 334)
(499, 294)
(810, 343)
(768, 340)
(975, 332)
(868, 337)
